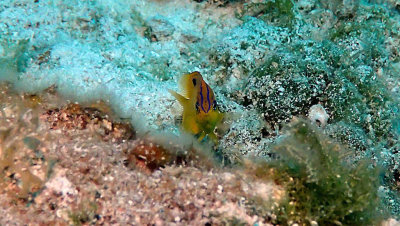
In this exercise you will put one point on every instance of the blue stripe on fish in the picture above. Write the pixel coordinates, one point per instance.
(208, 99)
(201, 96)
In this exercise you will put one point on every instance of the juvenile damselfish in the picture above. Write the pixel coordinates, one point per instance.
(200, 112)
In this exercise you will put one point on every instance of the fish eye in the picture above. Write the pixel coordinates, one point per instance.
(194, 81)
(197, 107)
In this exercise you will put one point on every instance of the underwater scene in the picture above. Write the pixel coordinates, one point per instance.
(200, 112)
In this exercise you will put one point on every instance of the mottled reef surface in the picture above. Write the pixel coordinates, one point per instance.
(63, 163)
(310, 90)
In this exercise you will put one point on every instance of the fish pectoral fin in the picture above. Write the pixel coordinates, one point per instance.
(201, 135)
(182, 100)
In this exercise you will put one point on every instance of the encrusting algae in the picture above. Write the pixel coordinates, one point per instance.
(200, 112)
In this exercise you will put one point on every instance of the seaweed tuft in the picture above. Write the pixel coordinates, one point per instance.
(86, 213)
(322, 186)
(277, 12)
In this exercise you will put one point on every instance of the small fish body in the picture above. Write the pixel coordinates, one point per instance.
(200, 112)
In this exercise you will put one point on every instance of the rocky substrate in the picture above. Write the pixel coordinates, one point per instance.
(64, 164)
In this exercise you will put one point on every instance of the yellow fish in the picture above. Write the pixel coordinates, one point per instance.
(200, 112)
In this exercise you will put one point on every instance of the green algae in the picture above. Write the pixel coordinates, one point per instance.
(277, 12)
(350, 135)
(322, 186)
(86, 213)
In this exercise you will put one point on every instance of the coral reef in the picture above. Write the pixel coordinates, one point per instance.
(73, 116)
(106, 123)
(68, 174)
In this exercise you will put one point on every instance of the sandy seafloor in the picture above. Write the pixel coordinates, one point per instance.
(334, 65)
